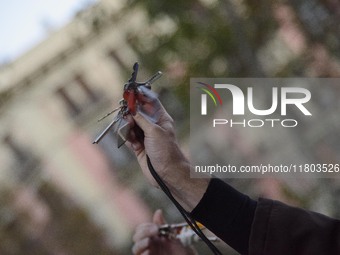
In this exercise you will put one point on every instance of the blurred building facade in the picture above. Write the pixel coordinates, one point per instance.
(51, 98)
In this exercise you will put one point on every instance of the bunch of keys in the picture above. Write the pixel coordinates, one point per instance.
(127, 105)
(183, 233)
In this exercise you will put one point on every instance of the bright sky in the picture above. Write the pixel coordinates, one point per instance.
(24, 23)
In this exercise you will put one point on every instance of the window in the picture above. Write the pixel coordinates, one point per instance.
(25, 163)
(77, 95)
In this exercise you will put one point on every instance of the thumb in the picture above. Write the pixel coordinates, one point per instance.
(158, 217)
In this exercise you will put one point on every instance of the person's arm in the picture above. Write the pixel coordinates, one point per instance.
(226, 212)
(281, 229)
